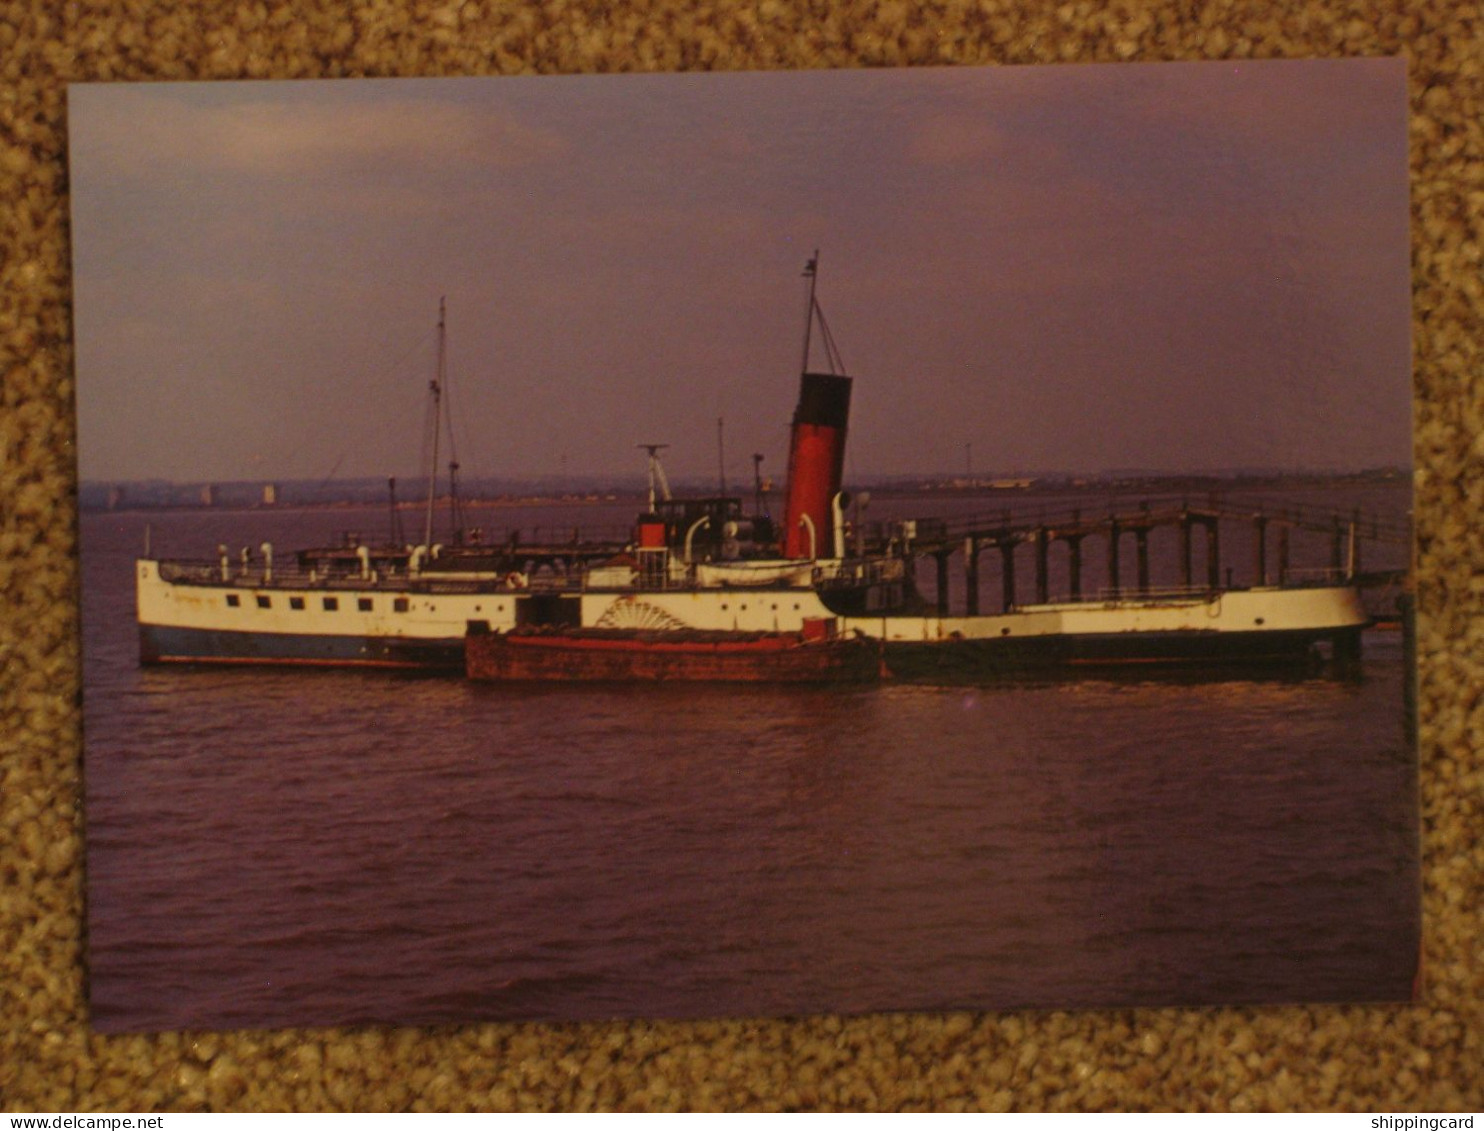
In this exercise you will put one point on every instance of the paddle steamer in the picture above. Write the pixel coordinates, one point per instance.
(697, 566)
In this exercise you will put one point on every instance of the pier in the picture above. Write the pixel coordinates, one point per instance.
(1197, 527)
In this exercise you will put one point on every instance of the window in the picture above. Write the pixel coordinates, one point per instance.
(331, 604)
(233, 601)
(296, 602)
(264, 602)
(399, 605)
(364, 604)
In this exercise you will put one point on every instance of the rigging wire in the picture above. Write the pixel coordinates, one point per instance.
(388, 371)
(832, 352)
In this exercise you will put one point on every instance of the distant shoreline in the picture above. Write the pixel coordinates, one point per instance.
(925, 489)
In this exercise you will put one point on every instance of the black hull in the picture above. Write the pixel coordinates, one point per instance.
(957, 661)
(164, 645)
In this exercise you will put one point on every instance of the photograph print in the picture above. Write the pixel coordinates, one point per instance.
(738, 545)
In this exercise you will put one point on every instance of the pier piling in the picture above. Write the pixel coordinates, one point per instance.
(1043, 553)
(1186, 576)
(1007, 572)
(1002, 531)
(971, 576)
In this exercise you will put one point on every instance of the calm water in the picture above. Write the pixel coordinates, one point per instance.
(272, 847)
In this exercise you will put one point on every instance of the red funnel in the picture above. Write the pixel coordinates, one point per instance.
(816, 464)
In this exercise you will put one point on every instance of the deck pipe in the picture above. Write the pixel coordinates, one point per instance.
(690, 537)
(838, 502)
(806, 524)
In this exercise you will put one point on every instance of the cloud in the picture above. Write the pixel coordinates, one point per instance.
(948, 139)
(294, 130)
(1003, 247)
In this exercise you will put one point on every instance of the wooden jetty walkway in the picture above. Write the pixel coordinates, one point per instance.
(1271, 525)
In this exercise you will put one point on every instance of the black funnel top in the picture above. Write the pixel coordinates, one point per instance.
(824, 400)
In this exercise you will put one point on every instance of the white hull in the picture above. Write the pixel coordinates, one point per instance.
(1248, 611)
(382, 625)
(341, 623)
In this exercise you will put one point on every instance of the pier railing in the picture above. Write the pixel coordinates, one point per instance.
(1205, 521)
(1155, 510)
(290, 576)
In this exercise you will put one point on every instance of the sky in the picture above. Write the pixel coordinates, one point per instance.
(1176, 267)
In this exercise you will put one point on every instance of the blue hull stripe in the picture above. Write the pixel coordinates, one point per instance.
(162, 644)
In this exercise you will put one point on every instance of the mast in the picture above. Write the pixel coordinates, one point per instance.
(436, 388)
(455, 504)
(397, 537)
(455, 512)
(811, 272)
(815, 311)
(656, 473)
